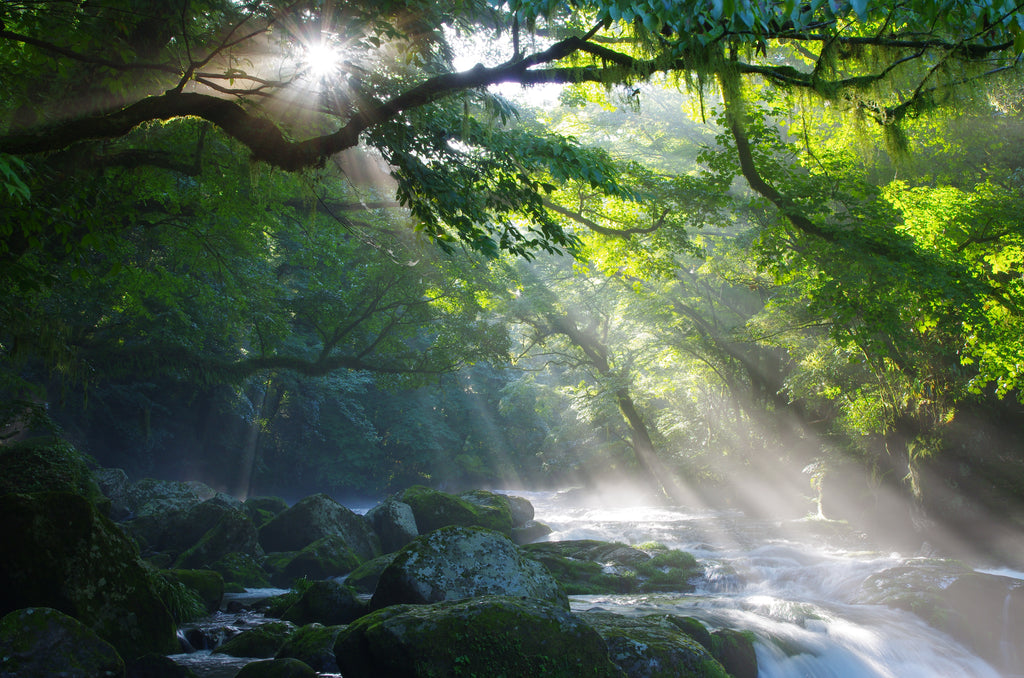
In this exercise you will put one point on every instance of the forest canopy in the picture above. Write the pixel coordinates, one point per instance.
(359, 245)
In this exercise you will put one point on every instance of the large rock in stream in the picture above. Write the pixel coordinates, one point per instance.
(316, 517)
(434, 509)
(489, 636)
(653, 647)
(452, 563)
(60, 552)
(983, 611)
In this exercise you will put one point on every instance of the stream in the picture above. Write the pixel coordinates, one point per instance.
(796, 591)
(779, 581)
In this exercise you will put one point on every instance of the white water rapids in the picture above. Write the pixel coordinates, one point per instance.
(794, 593)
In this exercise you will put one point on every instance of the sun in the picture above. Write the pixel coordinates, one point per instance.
(321, 60)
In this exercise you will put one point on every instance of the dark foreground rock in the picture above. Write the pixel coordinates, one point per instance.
(653, 647)
(325, 602)
(262, 641)
(277, 668)
(453, 563)
(490, 636)
(41, 641)
(313, 644)
(60, 553)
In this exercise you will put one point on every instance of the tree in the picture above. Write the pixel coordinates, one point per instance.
(392, 85)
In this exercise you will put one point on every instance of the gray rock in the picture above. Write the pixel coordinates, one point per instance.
(453, 563)
(521, 510)
(394, 523)
(41, 641)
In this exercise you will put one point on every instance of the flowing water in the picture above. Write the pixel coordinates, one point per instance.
(795, 590)
(795, 585)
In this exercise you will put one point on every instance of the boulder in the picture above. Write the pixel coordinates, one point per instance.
(261, 641)
(364, 578)
(150, 496)
(588, 566)
(490, 636)
(313, 644)
(735, 651)
(329, 556)
(394, 523)
(48, 465)
(60, 552)
(434, 509)
(41, 641)
(496, 509)
(263, 509)
(316, 517)
(530, 532)
(652, 647)
(325, 602)
(983, 611)
(157, 666)
(452, 563)
(233, 533)
(276, 668)
(114, 484)
(200, 519)
(521, 510)
(159, 512)
(209, 584)
(241, 571)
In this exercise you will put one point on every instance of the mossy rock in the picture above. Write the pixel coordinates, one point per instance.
(233, 533)
(48, 465)
(735, 651)
(694, 628)
(670, 570)
(364, 578)
(489, 636)
(453, 562)
(584, 577)
(209, 584)
(261, 641)
(60, 552)
(653, 647)
(325, 602)
(434, 509)
(313, 644)
(241, 570)
(276, 668)
(41, 641)
(329, 556)
(158, 666)
(183, 602)
(589, 566)
(316, 517)
(264, 509)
